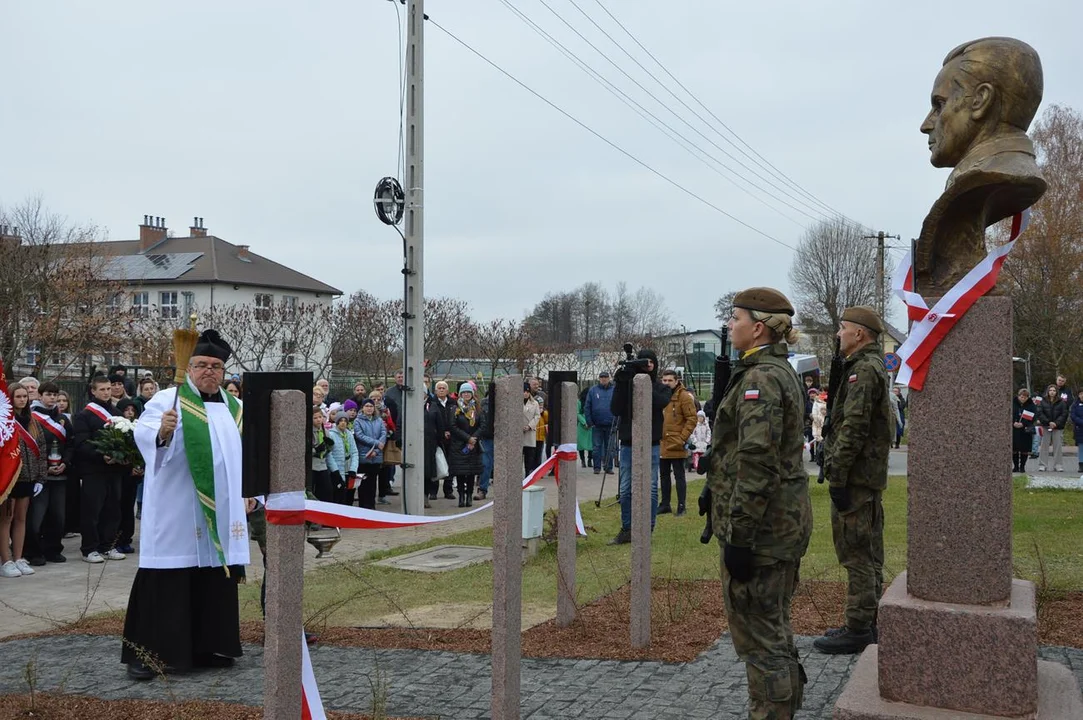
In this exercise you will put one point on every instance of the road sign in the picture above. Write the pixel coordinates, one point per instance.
(892, 362)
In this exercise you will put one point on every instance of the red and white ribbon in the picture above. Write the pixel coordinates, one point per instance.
(51, 425)
(311, 703)
(105, 416)
(931, 326)
(294, 509)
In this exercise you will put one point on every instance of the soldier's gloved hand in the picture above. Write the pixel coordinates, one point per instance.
(840, 497)
(624, 374)
(705, 501)
(738, 562)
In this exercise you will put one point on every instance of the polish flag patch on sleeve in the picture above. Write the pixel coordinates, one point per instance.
(853, 378)
(752, 394)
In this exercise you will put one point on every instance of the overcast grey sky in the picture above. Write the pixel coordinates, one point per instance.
(274, 120)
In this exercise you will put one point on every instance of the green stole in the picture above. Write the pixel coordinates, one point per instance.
(200, 455)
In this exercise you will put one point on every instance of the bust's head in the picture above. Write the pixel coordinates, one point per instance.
(986, 88)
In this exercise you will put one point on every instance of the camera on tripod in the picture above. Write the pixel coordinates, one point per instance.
(631, 363)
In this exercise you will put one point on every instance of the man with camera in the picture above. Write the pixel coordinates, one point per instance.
(855, 466)
(645, 362)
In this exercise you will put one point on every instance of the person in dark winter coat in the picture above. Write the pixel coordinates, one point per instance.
(432, 441)
(445, 408)
(1052, 417)
(1023, 417)
(464, 457)
(45, 529)
(1076, 415)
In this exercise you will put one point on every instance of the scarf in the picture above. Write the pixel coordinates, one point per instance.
(200, 455)
(469, 409)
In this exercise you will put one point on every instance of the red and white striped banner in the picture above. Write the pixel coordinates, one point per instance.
(293, 508)
(931, 326)
(311, 703)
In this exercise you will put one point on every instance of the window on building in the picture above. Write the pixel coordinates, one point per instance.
(289, 308)
(188, 301)
(264, 305)
(141, 304)
(33, 354)
(113, 304)
(57, 359)
(289, 359)
(167, 305)
(111, 357)
(674, 347)
(699, 347)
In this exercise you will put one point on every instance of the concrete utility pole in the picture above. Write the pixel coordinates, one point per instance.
(413, 431)
(881, 305)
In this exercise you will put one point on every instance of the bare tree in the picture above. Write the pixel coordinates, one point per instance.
(1043, 272)
(503, 344)
(54, 296)
(723, 307)
(369, 337)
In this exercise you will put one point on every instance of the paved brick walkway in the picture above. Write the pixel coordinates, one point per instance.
(451, 686)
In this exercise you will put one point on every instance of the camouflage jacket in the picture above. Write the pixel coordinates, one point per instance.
(757, 475)
(862, 424)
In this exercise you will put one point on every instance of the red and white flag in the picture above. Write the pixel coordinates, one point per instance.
(11, 461)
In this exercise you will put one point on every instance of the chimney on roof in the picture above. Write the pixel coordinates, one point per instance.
(151, 232)
(197, 229)
(242, 253)
(9, 237)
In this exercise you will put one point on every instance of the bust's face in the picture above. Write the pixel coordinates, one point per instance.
(949, 124)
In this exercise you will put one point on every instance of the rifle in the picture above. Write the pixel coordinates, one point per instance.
(722, 370)
(833, 384)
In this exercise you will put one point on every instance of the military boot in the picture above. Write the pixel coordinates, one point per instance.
(848, 642)
(623, 538)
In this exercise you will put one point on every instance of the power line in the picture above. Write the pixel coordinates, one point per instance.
(765, 162)
(690, 125)
(661, 125)
(604, 139)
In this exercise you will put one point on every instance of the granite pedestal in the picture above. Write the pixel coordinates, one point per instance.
(958, 636)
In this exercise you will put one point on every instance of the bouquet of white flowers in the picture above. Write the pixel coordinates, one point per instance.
(117, 440)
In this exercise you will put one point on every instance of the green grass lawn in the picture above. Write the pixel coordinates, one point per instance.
(355, 593)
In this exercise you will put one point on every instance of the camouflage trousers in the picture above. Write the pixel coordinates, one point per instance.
(859, 547)
(758, 612)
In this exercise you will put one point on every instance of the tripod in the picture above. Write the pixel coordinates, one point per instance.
(609, 460)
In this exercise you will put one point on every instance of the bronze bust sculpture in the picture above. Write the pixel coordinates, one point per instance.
(983, 101)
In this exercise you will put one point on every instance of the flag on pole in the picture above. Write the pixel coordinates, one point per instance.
(11, 461)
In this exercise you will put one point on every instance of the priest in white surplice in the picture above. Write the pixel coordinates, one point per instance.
(183, 610)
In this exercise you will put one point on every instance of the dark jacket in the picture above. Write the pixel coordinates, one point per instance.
(445, 418)
(621, 404)
(488, 409)
(393, 398)
(1056, 412)
(1067, 395)
(597, 407)
(51, 443)
(458, 461)
(1077, 420)
(432, 437)
(85, 425)
(1022, 438)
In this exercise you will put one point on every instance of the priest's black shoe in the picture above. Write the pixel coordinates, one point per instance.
(664, 509)
(140, 671)
(847, 642)
(210, 660)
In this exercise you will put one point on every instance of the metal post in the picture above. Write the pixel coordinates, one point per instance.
(413, 431)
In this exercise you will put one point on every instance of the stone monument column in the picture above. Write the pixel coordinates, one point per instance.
(566, 504)
(285, 564)
(641, 511)
(956, 633)
(507, 547)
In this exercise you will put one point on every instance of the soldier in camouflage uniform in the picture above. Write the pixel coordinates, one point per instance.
(861, 430)
(760, 503)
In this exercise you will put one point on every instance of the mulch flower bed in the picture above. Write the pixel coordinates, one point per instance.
(75, 707)
(687, 617)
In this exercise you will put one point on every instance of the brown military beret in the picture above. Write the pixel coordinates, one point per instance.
(864, 315)
(764, 299)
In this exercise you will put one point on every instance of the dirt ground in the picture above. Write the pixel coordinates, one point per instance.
(687, 617)
(72, 707)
